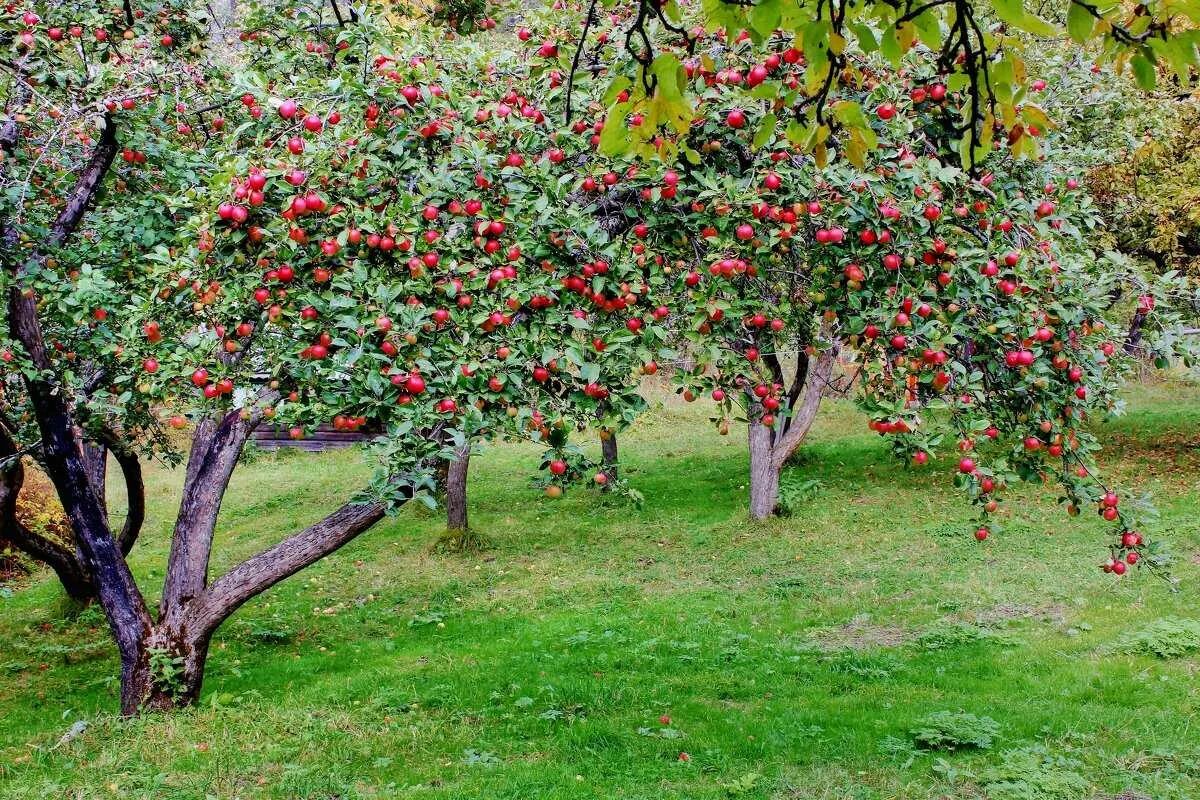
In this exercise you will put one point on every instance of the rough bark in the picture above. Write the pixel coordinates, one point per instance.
(456, 489)
(216, 446)
(764, 475)
(96, 456)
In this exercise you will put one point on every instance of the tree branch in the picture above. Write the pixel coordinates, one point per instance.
(259, 573)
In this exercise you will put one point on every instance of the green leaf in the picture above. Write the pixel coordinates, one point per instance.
(867, 42)
(1012, 12)
(766, 130)
(619, 84)
(614, 138)
(764, 17)
(889, 46)
(1143, 71)
(1080, 23)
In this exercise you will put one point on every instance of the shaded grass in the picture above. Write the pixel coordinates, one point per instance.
(792, 656)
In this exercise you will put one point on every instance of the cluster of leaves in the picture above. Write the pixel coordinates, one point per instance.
(92, 84)
(398, 230)
(949, 730)
(1133, 149)
(976, 46)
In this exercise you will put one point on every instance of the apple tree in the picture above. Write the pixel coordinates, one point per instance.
(965, 289)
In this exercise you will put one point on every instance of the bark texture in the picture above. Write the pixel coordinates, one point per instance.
(764, 476)
(770, 448)
(456, 490)
(609, 454)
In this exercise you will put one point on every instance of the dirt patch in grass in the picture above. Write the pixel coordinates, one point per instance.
(1003, 613)
(861, 634)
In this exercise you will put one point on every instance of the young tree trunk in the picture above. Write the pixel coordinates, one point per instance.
(456, 490)
(764, 475)
(608, 449)
(770, 448)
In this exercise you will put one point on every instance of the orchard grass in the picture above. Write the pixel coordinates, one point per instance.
(592, 643)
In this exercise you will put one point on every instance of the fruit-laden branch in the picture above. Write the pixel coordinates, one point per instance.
(259, 573)
(62, 443)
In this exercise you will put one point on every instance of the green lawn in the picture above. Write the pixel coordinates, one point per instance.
(794, 658)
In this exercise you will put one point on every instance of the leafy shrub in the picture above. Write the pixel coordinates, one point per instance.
(1170, 637)
(38, 510)
(1033, 773)
(463, 16)
(949, 730)
(795, 492)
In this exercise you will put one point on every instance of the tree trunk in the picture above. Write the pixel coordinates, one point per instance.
(764, 473)
(608, 449)
(1133, 338)
(96, 456)
(456, 490)
(216, 445)
(167, 673)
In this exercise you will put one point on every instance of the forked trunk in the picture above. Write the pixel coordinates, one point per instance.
(764, 472)
(456, 490)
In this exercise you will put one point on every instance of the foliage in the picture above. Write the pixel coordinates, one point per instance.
(948, 730)
(795, 492)
(1149, 195)
(356, 223)
(167, 670)
(1034, 773)
(976, 45)
(1170, 637)
(1134, 151)
(38, 508)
